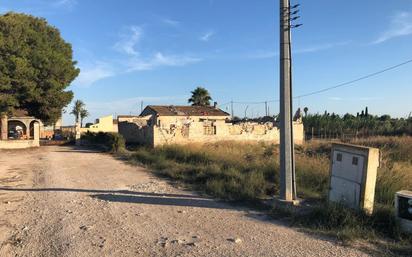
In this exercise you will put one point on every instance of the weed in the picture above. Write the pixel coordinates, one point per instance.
(250, 172)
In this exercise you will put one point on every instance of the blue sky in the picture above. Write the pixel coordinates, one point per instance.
(157, 51)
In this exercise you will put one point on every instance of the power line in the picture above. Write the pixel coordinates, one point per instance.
(333, 87)
(356, 80)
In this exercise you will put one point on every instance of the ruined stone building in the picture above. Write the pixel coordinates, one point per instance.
(158, 125)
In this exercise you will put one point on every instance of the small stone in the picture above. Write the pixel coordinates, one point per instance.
(195, 237)
(83, 228)
(176, 241)
(25, 228)
(181, 211)
(235, 240)
(192, 244)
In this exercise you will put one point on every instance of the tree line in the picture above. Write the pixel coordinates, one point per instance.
(363, 124)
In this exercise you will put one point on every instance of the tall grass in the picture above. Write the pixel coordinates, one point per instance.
(228, 171)
(250, 172)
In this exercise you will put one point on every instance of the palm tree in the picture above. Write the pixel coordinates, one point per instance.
(83, 114)
(78, 108)
(306, 109)
(200, 97)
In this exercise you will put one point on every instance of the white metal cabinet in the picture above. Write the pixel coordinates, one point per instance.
(346, 179)
(353, 176)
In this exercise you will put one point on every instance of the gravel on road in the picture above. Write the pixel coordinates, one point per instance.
(65, 201)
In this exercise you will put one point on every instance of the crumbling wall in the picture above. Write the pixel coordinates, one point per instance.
(203, 132)
(134, 133)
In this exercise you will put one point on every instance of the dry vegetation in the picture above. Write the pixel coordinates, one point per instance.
(250, 172)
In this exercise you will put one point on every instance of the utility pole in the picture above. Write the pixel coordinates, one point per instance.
(266, 108)
(287, 158)
(78, 133)
(231, 108)
(141, 107)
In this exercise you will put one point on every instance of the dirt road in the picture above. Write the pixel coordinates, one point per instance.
(59, 201)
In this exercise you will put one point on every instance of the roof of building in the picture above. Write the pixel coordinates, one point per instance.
(127, 116)
(173, 110)
(20, 113)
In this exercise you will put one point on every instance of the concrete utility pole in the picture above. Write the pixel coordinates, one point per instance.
(231, 108)
(287, 156)
(78, 133)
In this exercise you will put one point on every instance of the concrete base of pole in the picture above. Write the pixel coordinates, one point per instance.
(280, 202)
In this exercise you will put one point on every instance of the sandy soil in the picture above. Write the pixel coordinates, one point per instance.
(61, 201)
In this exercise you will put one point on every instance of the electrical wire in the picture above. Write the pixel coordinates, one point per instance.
(347, 83)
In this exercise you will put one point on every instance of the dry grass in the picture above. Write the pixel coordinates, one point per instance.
(250, 172)
(218, 163)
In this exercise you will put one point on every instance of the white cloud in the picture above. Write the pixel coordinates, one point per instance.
(65, 3)
(207, 35)
(335, 98)
(129, 41)
(401, 25)
(132, 60)
(91, 74)
(4, 10)
(159, 59)
(321, 47)
(173, 23)
(262, 54)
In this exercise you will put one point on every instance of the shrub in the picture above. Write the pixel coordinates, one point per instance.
(112, 142)
(250, 172)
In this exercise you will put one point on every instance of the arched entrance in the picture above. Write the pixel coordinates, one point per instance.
(17, 130)
(31, 126)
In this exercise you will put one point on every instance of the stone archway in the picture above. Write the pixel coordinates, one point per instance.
(17, 130)
(34, 129)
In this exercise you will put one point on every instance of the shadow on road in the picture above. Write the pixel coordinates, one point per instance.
(96, 191)
(174, 201)
(78, 149)
(127, 196)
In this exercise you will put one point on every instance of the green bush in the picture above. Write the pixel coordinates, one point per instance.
(112, 142)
